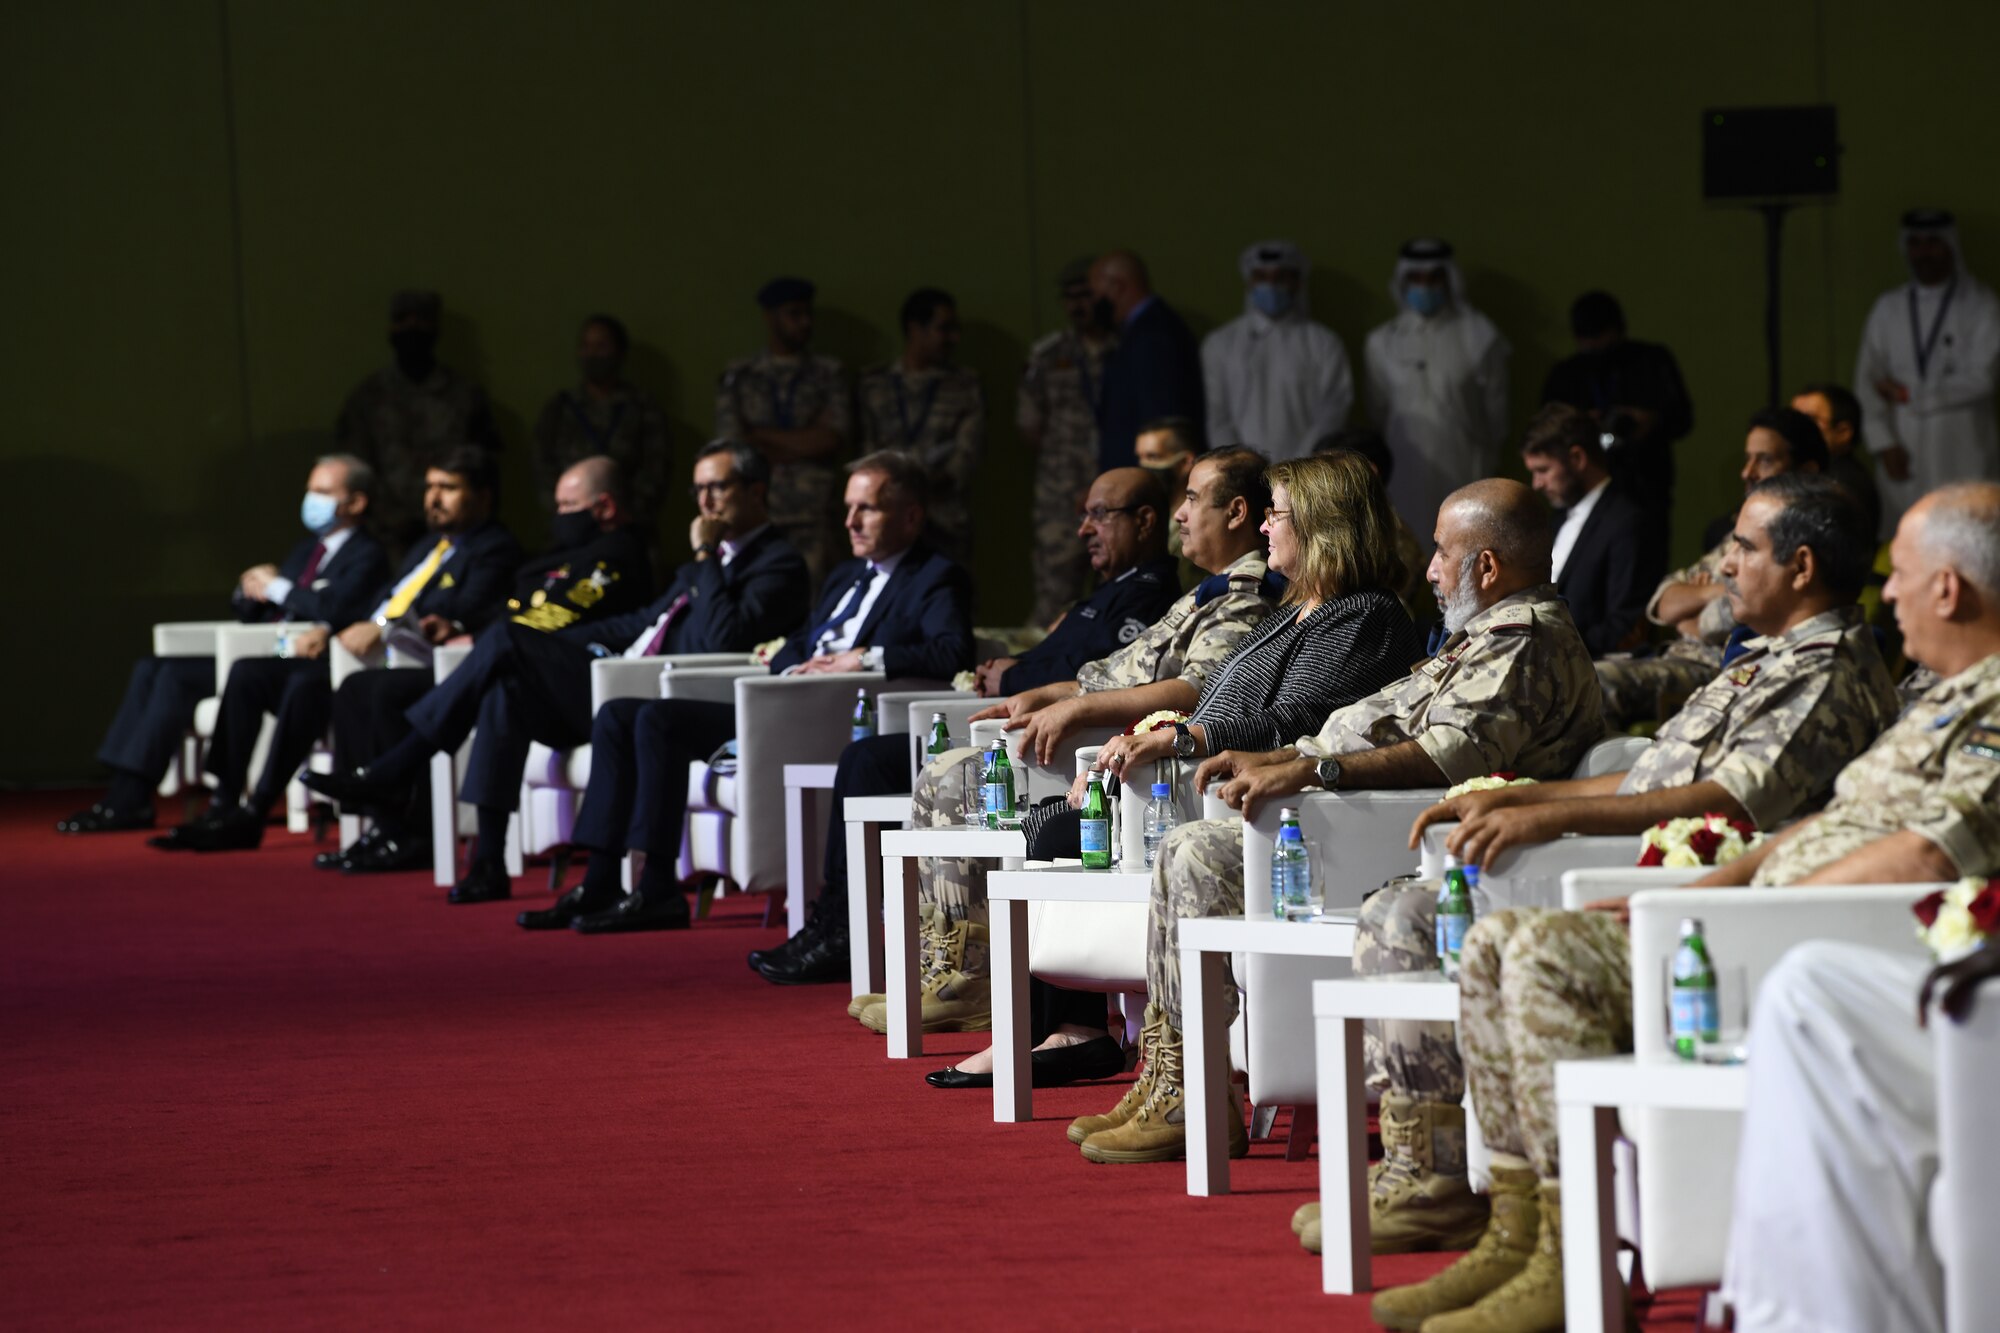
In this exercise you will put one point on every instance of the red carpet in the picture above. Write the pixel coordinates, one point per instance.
(239, 1093)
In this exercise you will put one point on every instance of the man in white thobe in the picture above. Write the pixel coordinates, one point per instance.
(1437, 385)
(1276, 380)
(1926, 376)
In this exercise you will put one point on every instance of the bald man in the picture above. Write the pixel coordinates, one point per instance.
(1155, 371)
(1510, 688)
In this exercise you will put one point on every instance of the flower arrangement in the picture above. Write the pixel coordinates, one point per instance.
(1489, 783)
(1959, 919)
(965, 683)
(1707, 840)
(1166, 717)
(762, 654)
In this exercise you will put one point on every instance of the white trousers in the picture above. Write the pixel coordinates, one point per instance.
(1839, 1150)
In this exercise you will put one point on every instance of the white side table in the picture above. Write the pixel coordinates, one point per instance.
(1338, 1008)
(1009, 892)
(866, 817)
(901, 848)
(1206, 943)
(805, 816)
(1588, 1095)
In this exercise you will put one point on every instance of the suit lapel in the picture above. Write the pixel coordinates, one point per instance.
(905, 570)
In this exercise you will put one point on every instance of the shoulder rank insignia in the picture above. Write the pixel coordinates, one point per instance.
(1516, 619)
(1743, 675)
(1983, 741)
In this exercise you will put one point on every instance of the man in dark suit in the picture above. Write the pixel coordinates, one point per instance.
(1606, 559)
(897, 607)
(742, 585)
(451, 582)
(1155, 370)
(328, 578)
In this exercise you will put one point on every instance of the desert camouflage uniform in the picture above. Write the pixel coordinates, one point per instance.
(1195, 635)
(397, 428)
(1646, 689)
(763, 392)
(1511, 690)
(1058, 402)
(1772, 730)
(938, 418)
(627, 426)
(1935, 772)
(1536, 987)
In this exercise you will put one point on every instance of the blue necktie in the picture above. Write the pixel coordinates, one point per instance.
(841, 610)
(1739, 643)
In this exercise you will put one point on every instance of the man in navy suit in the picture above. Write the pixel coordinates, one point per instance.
(453, 580)
(1605, 561)
(897, 607)
(1153, 372)
(742, 585)
(326, 580)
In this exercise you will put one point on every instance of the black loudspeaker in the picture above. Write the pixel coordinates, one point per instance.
(1769, 153)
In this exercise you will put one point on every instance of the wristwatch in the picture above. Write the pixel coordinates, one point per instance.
(1183, 741)
(1329, 773)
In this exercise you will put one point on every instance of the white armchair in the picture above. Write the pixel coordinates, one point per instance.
(1964, 1222)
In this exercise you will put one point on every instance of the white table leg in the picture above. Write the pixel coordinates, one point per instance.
(1593, 1292)
(1343, 1158)
(1205, 1055)
(444, 822)
(899, 941)
(1013, 1081)
(797, 810)
(864, 907)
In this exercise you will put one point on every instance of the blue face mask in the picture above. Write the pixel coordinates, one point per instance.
(1270, 298)
(317, 512)
(1426, 301)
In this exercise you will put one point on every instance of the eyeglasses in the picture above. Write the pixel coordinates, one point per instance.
(701, 488)
(1098, 513)
(1273, 515)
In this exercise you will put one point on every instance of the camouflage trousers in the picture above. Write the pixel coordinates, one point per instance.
(1652, 689)
(805, 509)
(1536, 987)
(1198, 872)
(1397, 932)
(955, 885)
(1062, 479)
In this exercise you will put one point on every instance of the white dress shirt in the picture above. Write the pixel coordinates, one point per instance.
(277, 590)
(727, 550)
(1573, 520)
(840, 636)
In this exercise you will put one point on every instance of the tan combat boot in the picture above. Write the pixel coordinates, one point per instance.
(1502, 1252)
(1309, 1231)
(1304, 1213)
(926, 950)
(1135, 1096)
(1157, 1131)
(1422, 1198)
(956, 994)
(1532, 1300)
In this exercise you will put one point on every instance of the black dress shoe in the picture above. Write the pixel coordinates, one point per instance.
(104, 819)
(355, 789)
(579, 901)
(237, 830)
(634, 912)
(390, 855)
(1056, 1067)
(341, 857)
(180, 838)
(824, 958)
(483, 883)
(792, 947)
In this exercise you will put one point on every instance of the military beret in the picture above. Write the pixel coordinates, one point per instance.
(1075, 273)
(410, 301)
(1928, 219)
(1426, 249)
(784, 291)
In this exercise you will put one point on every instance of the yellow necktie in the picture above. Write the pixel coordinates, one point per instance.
(410, 590)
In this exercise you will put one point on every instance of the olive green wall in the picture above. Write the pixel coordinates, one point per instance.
(210, 201)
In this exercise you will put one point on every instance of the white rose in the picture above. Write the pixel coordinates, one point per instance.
(1682, 858)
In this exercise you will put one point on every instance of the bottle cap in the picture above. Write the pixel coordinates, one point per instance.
(1288, 815)
(1163, 789)
(937, 717)
(1690, 926)
(1096, 775)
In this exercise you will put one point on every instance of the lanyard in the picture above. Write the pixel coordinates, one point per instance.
(1925, 346)
(911, 436)
(603, 438)
(782, 398)
(1090, 397)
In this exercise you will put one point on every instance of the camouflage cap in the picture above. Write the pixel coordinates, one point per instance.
(412, 301)
(1075, 273)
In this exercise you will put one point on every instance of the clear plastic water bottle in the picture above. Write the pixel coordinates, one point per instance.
(864, 716)
(1696, 1015)
(1291, 869)
(1454, 915)
(1159, 820)
(1096, 831)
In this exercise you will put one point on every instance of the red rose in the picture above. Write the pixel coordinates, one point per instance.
(1652, 856)
(1927, 908)
(1704, 842)
(1661, 824)
(1985, 908)
(1744, 828)
(1505, 777)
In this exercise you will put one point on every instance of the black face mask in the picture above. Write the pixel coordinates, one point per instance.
(598, 369)
(571, 530)
(415, 352)
(1101, 310)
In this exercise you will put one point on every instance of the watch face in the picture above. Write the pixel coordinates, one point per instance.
(1329, 773)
